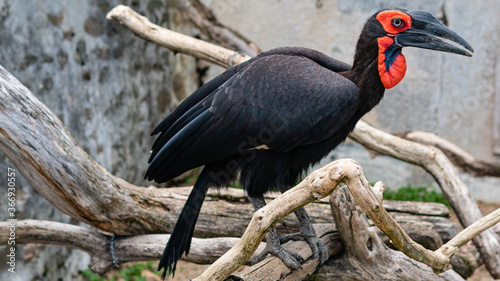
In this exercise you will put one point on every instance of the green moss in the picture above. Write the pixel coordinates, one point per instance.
(129, 273)
(419, 194)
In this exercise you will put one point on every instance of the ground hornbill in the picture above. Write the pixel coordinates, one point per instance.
(272, 117)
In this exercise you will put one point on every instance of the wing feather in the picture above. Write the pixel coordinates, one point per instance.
(283, 99)
(301, 104)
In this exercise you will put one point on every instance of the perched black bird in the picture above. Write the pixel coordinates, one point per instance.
(272, 117)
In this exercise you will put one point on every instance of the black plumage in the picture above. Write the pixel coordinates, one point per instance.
(233, 114)
(299, 115)
(268, 120)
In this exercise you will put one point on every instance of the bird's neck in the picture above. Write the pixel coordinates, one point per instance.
(365, 74)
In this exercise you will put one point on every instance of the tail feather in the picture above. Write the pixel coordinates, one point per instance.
(195, 98)
(180, 123)
(180, 239)
(158, 158)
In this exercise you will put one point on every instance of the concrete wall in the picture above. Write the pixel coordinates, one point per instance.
(110, 89)
(446, 94)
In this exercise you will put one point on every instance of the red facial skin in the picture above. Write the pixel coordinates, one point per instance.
(392, 76)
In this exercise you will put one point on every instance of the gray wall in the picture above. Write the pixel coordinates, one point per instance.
(109, 87)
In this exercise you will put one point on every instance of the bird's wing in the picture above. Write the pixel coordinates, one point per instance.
(192, 101)
(191, 136)
(281, 101)
(284, 101)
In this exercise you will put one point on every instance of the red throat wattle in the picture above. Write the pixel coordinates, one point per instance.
(391, 62)
(390, 74)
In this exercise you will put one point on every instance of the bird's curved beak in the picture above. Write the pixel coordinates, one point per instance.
(428, 32)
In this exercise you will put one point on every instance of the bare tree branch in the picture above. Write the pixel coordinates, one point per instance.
(459, 157)
(469, 233)
(366, 257)
(378, 264)
(133, 248)
(437, 164)
(201, 17)
(175, 41)
(320, 184)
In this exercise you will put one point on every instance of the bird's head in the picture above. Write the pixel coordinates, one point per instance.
(393, 29)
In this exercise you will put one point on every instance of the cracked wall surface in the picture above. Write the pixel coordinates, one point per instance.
(109, 87)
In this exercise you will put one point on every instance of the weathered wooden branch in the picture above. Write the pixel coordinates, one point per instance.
(201, 17)
(125, 249)
(459, 157)
(437, 164)
(206, 251)
(431, 159)
(175, 41)
(366, 257)
(320, 184)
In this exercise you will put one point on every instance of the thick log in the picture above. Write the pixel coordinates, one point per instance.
(98, 244)
(323, 182)
(366, 257)
(51, 160)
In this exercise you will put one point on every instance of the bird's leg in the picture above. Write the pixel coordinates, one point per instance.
(273, 245)
(308, 234)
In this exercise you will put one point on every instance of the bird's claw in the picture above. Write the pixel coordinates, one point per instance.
(317, 246)
(297, 236)
(289, 258)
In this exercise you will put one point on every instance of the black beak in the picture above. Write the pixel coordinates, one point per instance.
(427, 32)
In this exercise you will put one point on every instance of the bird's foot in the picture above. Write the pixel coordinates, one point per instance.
(289, 258)
(317, 246)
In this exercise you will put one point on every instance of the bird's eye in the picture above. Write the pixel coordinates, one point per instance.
(397, 22)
